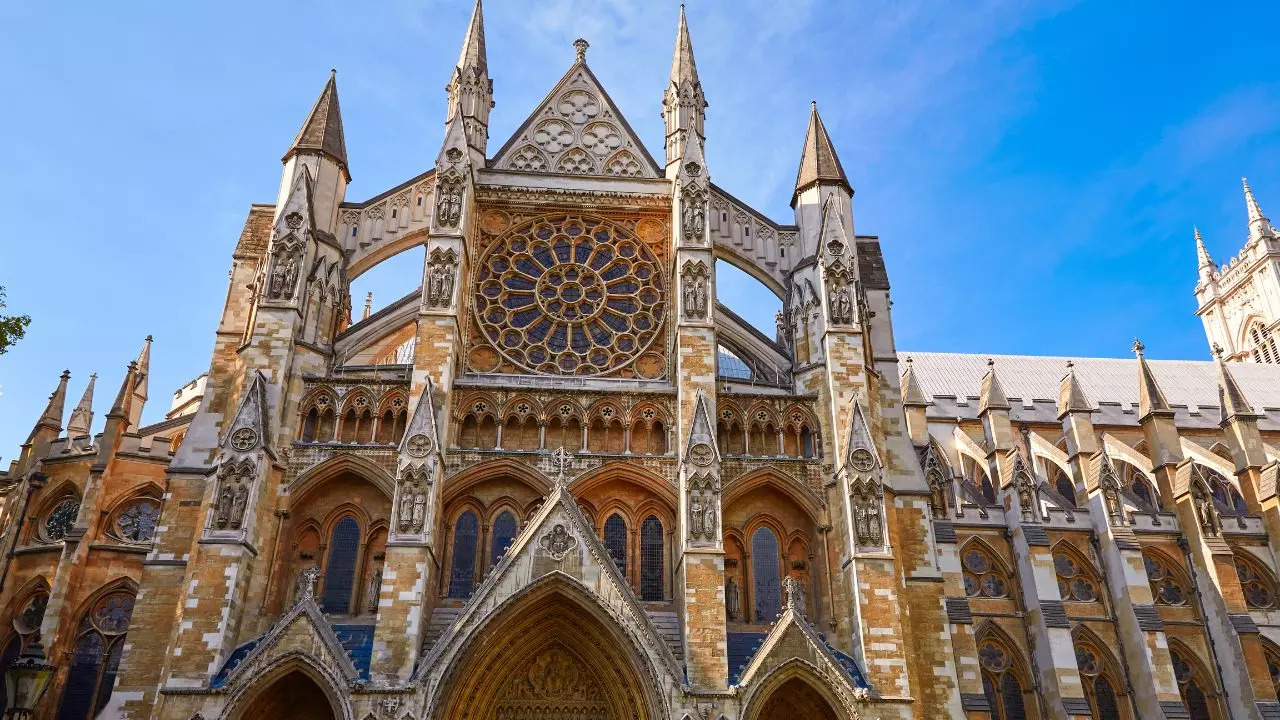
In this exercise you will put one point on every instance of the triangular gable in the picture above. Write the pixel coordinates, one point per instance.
(833, 239)
(249, 429)
(303, 630)
(861, 438)
(791, 642)
(558, 544)
(702, 435)
(297, 217)
(577, 130)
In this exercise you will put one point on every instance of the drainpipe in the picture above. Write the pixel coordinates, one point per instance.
(35, 481)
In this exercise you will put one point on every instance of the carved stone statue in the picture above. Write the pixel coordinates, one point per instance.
(290, 276)
(406, 509)
(694, 278)
(1210, 523)
(732, 601)
(709, 519)
(306, 585)
(222, 514)
(375, 589)
(238, 503)
(695, 516)
(441, 271)
(449, 202)
(419, 510)
(693, 217)
(937, 494)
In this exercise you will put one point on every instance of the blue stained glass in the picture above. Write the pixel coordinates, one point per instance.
(580, 252)
(651, 559)
(615, 539)
(504, 533)
(543, 255)
(340, 571)
(465, 535)
(768, 574)
(601, 258)
(80, 691)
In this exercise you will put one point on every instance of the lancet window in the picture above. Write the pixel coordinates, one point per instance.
(615, 540)
(1192, 684)
(1226, 497)
(466, 533)
(797, 436)
(340, 567)
(1000, 682)
(1264, 345)
(651, 559)
(1099, 680)
(95, 656)
(1062, 483)
(766, 572)
(319, 420)
(1258, 583)
(504, 533)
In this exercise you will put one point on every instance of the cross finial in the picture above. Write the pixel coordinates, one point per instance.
(580, 46)
(1070, 364)
(1217, 351)
(1138, 347)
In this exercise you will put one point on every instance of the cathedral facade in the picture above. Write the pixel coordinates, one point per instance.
(560, 480)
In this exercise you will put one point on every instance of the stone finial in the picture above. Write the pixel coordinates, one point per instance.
(368, 305)
(1151, 399)
(1217, 351)
(1138, 347)
(580, 47)
(992, 396)
(560, 461)
(306, 589)
(794, 591)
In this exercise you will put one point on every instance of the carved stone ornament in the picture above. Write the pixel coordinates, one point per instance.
(293, 220)
(732, 599)
(1027, 500)
(694, 280)
(561, 459)
(449, 200)
(704, 504)
(939, 500)
(411, 509)
(793, 589)
(1110, 486)
(840, 304)
(283, 279)
(418, 446)
(558, 542)
(1206, 512)
(306, 587)
(701, 455)
(861, 460)
(453, 154)
(244, 439)
(442, 271)
(232, 498)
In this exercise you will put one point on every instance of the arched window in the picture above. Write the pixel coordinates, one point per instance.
(1099, 686)
(982, 575)
(1258, 585)
(95, 656)
(1076, 582)
(1166, 588)
(340, 568)
(1191, 685)
(1264, 345)
(504, 533)
(1225, 496)
(766, 569)
(999, 683)
(136, 520)
(615, 540)
(309, 425)
(1067, 489)
(59, 520)
(463, 574)
(1272, 654)
(651, 559)
(806, 442)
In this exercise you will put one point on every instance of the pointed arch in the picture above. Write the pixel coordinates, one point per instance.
(1261, 590)
(1078, 576)
(462, 482)
(763, 477)
(986, 574)
(1101, 674)
(653, 483)
(1199, 691)
(1006, 681)
(316, 475)
(554, 621)
(246, 699)
(795, 689)
(1169, 580)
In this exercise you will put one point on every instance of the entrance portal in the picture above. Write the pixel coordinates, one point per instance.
(293, 697)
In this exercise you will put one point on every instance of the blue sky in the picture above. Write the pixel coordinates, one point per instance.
(1033, 169)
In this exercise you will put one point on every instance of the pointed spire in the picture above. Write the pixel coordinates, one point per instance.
(124, 398)
(912, 394)
(1202, 253)
(1231, 399)
(322, 132)
(1259, 225)
(82, 416)
(819, 162)
(992, 396)
(682, 65)
(1071, 397)
(473, 54)
(1151, 400)
(52, 416)
(140, 377)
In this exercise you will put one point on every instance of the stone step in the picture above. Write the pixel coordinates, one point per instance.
(441, 619)
(668, 626)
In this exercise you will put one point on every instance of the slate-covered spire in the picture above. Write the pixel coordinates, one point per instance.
(1071, 397)
(992, 396)
(140, 384)
(322, 132)
(819, 162)
(470, 89)
(1231, 399)
(82, 416)
(1151, 398)
(1259, 224)
(683, 103)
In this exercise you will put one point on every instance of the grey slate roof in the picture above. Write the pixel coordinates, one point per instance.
(1193, 383)
(323, 129)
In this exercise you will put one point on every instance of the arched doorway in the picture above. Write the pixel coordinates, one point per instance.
(294, 696)
(796, 699)
(553, 654)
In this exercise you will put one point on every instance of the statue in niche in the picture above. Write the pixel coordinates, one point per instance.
(693, 217)
(375, 589)
(449, 202)
(238, 503)
(732, 602)
(694, 290)
(406, 509)
(868, 525)
(695, 516)
(709, 519)
(419, 510)
(840, 303)
(222, 514)
(937, 494)
(700, 298)
(440, 278)
(1210, 523)
(283, 276)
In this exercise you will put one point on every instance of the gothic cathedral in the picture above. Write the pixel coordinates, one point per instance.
(561, 480)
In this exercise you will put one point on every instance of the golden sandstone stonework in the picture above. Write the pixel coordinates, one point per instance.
(562, 481)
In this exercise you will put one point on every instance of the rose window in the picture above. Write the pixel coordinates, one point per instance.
(570, 296)
(60, 520)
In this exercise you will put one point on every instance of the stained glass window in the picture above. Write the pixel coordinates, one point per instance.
(340, 570)
(982, 577)
(61, 518)
(1001, 687)
(137, 521)
(95, 657)
(1165, 587)
(1189, 683)
(504, 533)
(465, 537)
(651, 559)
(12, 650)
(767, 572)
(615, 540)
(1259, 592)
(1075, 583)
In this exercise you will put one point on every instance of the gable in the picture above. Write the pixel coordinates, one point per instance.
(577, 130)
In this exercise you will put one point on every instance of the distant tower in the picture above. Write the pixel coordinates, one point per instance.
(1239, 302)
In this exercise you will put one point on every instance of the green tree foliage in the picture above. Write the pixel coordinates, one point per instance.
(12, 327)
